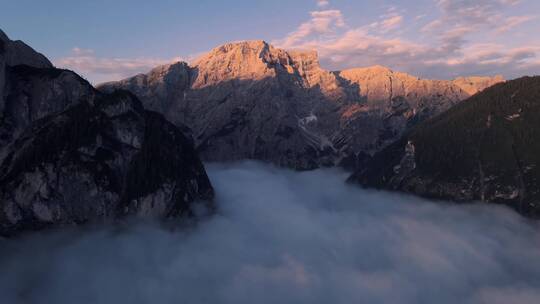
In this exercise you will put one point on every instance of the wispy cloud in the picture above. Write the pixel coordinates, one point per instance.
(477, 15)
(444, 48)
(323, 3)
(511, 22)
(321, 23)
(100, 69)
(387, 22)
(451, 38)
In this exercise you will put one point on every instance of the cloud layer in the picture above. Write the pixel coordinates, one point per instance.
(463, 38)
(288, 237)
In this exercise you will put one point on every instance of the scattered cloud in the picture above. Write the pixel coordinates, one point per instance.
(76, 51)
(453, 38)
(387, 23)
(477, 15)
(391, 22)
(323, 3)
(100, 69)
(455, 42)
(419, 17)
(322, 23)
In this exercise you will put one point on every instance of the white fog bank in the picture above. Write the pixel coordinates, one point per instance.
(288, 237)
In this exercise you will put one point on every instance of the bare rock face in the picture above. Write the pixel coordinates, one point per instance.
(99, 162)
(34, 93)
(394, 102)
(257, 60)
(17, 52)
(14, 53)
(484, 149)
(71, 155)
(252, 100)
(473, 85)
(381, 86)
(245, 100)
(161, 89)
(31, 89)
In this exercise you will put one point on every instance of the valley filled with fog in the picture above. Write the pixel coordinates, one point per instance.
(281, 236)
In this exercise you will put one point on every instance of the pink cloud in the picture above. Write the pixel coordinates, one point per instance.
(444, 50)
(321, 23)
(392, 22)
(87, 64)
(511, 22)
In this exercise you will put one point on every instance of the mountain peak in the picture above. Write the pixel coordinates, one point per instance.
(246, 43)
(375, 69)
(311, 56)
(255, 60)
(249, 99)
(16, 52)
(3, 36)
(243, 47)
(262, 49)
(244, 60)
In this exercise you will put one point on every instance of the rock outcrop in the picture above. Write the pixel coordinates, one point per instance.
(71, 154)
(246, 100)
(34, 93)
(473, 85)
(14, 53)
(30, 89)
(252, 100)
(483, 149)
(17, 52)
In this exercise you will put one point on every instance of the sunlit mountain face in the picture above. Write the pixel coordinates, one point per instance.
(270, 152)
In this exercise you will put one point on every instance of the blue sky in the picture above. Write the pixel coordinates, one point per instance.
(109, 40)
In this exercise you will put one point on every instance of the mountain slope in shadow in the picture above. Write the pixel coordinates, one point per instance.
(486, 148)
(70, 154)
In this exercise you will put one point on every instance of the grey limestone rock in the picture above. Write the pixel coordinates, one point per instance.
(252, 100)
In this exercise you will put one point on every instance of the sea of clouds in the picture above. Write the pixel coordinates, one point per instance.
(287, 237)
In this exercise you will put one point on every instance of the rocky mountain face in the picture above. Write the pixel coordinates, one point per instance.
(473, 85)
(33, 93)
(483, 149)
(252, 100)
(15, 114)
(246, 100)
(70, 154)
(18, 52)
(394, 102)
(382, 86)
